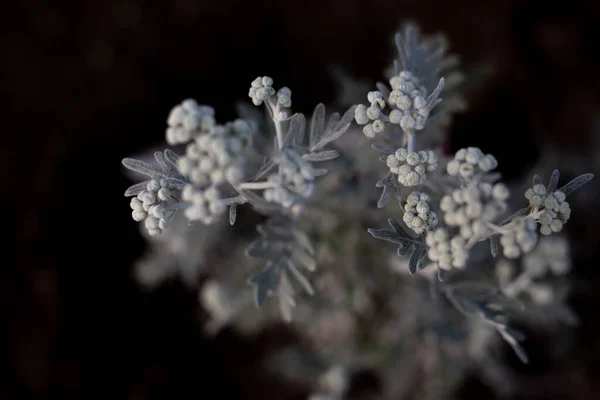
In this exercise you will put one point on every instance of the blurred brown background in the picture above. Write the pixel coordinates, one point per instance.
(86, 83)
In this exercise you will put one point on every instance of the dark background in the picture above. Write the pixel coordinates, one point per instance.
(86, 83)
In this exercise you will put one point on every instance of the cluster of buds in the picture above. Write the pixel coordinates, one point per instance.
(151, 206)
(551, 255)
(418, 215)
(261, 90)
(521, 238)
(446, 252)
(409, 103)
(188, 120)
(216, 157)
(205, 203)
(473, 207)
(470, 162)
(293, 182)
(412, 167)
(555, 209)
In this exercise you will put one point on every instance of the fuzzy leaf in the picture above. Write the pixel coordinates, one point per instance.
(136, 189)
(232, 213)
(143, 168)
(537, 180)
(553, 181)
(293, 129)
(300, 278)
(299, 139)
(416, 257)
(266, 282)
(321, 156)
(171, 157)
(317, 125)
(576, 183)
(336, 131)
(384, 149)
(385, 234)
(320, 171)
(494, 245)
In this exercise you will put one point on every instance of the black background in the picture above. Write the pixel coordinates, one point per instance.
(86, 83)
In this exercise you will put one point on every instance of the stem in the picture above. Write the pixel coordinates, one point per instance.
(255, 185)
(274, 112)
(411, 142)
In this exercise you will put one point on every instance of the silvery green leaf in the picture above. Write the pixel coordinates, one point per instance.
(299, 139)
(387, 183)
(232, 213)
(136, 189)
(300, 278)
(304, 241)
(553, 181)
(320, 171)
(286, 297)
(293, 129)
(383, 158)
(384, 149)
(317, 125)
(303, 258)
(576, 183)
(265, 281)
(171, 157)
(441, 274)
(537, 180)
(161, 161)
(513, 342)
(334, 132)
(321, 156)
(404, 249)
(494, 245)
(416, 257)
(385, 234)
(144, 168)
(258, 249)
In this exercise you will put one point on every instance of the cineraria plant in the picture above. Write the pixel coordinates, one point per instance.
(447, 207)
(472, 209)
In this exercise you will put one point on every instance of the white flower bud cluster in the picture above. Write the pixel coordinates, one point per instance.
(410, 99)
(556, 209)
(522, 238)
(409, 105)
(293, 181)
(217, 157)
(188, 120)
(446, 252)
(206, 205)
(470, 162)
(552, 254)
(364, 115)
(412, 168)
(150, 206)
(470, 208)
(418, 214)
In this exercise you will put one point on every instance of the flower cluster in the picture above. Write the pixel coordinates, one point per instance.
(216, 157)
(409, 105)
(151, 206)
(261, 89)
(474, 206)
(555, 209)
(552, 254)
(470, 162)
(205, 203)
(293, 182)
(412, 167)
(522, 238)
(446, 252)
(418, 214)
(187, 120)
